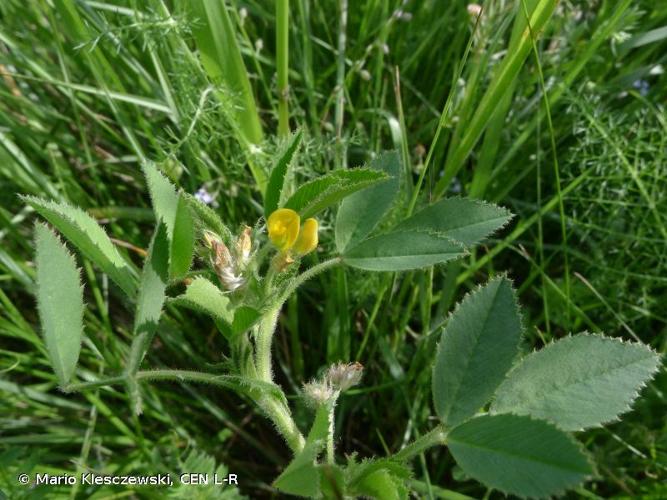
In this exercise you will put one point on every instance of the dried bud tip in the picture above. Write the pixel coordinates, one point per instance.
(342, 376)
(210, 239)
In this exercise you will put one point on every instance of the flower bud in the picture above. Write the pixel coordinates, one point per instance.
(317, 392)
(244, 246)
(222, 262)
(283, 228)
(307, 240)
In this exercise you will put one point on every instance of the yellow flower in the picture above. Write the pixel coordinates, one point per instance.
(283, 227)
(307, 240)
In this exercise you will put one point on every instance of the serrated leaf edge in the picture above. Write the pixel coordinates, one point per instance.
(578, 445)
(568, 338)
(40, 310)
(508, 215)
(499, 277)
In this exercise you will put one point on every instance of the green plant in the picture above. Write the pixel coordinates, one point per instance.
(505, 418)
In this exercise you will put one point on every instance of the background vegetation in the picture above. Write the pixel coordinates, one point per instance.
(89, 89)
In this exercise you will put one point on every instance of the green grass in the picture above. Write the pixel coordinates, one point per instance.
(89, 90)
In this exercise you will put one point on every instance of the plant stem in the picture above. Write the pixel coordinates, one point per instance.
(138, 349)
(263, 341)
(281, 417)
(331, 459)
(306, 275)
(274, 409)
(95, 383)
(436, 437)
(282, 56)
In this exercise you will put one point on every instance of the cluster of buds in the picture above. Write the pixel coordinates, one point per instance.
(339, 378)
(290, 237)
(229, 265)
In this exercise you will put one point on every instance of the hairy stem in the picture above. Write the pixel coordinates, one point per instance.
(266, 328)
(274, 409)
(281, 417)
(140, 344)
(331, 458)
(436, 437)
(95, 383)
(306, 275)
(263, 341)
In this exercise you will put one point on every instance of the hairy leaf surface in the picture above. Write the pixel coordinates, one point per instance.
(462, 219)
(154, 278)
(578, 382)
(519, 455)
(60, 302)
(361, 212)
(276, 186)
(89, 237)
(327, 190)
(476, 350)
(174, 211)
(204, 296)
(402, 250)
(302, 477)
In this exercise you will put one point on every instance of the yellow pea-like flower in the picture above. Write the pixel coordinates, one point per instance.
(283, 226)
(307, 240)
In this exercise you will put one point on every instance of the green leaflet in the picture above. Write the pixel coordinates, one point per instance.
(462, 219)
(302, 477)
(164, 197)
(327, 190)
(402, 250)
(174, 210)
(578, 382)
(519, 455)
(361, 212)
(275, 189)
(89, 237)
(59, 301)
(183, 241)
(476, 349)
(436, 234)
(383, 485)
(204, 296)
(244, 318)
(332, 481)
(154, 278)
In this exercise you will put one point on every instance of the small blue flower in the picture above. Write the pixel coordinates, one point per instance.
(642, 86)
(204, 196)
